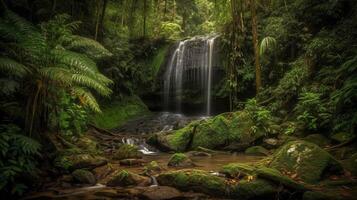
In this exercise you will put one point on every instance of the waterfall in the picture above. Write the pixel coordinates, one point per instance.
(191, 62)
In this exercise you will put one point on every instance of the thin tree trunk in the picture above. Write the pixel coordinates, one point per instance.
(258, 78)
(97, 20)
(144, 18)
(54, 5)
(101, 24)
(165, 10)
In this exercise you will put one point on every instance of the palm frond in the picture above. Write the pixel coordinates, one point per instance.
(13, 67)
(268, 43)
(86, 98)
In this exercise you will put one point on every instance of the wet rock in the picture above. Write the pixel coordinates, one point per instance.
(318, 139)
(196, 180)
(342, 137)
(152, 168)
(257, 151)
(132, 162)
(83, 176)
(180, 160)
(161, 193)
(103, 171)
(124, 178)
(79, 161)
(127, 151)
(303, 159)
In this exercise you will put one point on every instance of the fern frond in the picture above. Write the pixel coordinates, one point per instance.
(88, 46)
(91, 83)
(12, 67)
(27, 145)
(86, 98)
(76, 60)
(57, 74)
(268, 43)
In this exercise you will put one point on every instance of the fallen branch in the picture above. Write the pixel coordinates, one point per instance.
(341, 144)
(102, 130)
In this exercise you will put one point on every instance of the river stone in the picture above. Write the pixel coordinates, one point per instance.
(127, 151)
(124, 178)
(152, 168)
(270, 143)
(161, 193)
(180, 160)
(132, 162)
(318, 139)
(257, 151)
(84, 176)
(304, 159)
(79, 161)
(237, 170)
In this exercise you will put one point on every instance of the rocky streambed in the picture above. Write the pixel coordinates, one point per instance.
(120, 164)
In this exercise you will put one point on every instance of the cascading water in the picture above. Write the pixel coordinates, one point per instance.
(192, 61)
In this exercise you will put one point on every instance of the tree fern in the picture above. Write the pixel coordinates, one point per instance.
(86, 98)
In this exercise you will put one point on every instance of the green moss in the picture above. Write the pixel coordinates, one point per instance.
(257, 151)
(124, 178)
(151, 168)
(342, 136)
(307, 160)
(83, 176)
(255, 189)
(180, 140)
(318, 139)
(234, 170)
(118, 112)
(127, 151)
(74, 160)
(179, 159)
(197, 180)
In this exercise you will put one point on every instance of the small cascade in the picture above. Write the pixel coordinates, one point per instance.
(154, 182)
(190, 66)
(141, 143)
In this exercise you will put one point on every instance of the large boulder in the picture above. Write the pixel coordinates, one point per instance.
(304, 160)
(74, 161)
(180, 160)
(127, 151)
(253, 189)
(124, 178)
(237, 170)
(228, 129)
(84, 176)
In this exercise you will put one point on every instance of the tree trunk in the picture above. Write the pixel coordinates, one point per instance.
(258, 78)
(101, 23)
(97, 20)
(144, 18)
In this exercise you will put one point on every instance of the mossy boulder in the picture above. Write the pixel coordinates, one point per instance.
(180, 160)
(351, 164)
(125, 178)
(132, 162)
(127, 151)
(237, 170)
(304, 159)
(213, 133)
(257, 151)
(196, 180)
(83, 176)
(318, 139)
(255, 189)
(341, 137)
(152, 168)
(72, 161)
(88, 144)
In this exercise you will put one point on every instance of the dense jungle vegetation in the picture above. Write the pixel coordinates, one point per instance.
(77, 75)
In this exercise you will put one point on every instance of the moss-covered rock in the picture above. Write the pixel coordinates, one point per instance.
(180, 160)
(132, 162)
(127, 151)
(255, 189)
(236, 170)
(342, 136)
(307, 160)
(152, 168)
(72, 161)
(124, 178)
(351, 164)
(83, 176)
(318, 139)
(197, 180)
(315, 195)
(256, 151)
